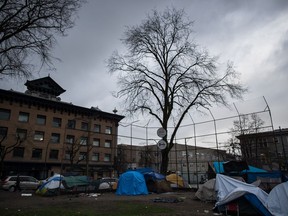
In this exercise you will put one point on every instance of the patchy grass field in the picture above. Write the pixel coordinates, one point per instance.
(175, 203)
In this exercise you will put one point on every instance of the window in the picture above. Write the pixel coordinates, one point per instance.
(107, 144)
(95, 157)
(41, 120)
(107, 157)
(84, 126)
(21, 134)
(96, 142)
(97, 128)
(56, 122)
(36, 153)
(82, 156)
(53, 154)
(55, 138)
(3, 132)
(18, 152)
(83, 140)
(5, 114)
(23, 117)
(108, 130)
(265, 143)
(71, 124)
(67, 155)
(39, 136)
(70, 139)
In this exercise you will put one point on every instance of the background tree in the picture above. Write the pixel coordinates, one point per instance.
(8, 142)
(147, 158)
(27, 31)
(78, 151)
(165, 74)
(245, 125)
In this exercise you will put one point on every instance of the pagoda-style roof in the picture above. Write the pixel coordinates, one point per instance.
(45, 85)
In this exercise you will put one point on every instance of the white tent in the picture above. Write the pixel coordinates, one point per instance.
(229, 189)
(277, 200)
(52, 183)
(206, 192)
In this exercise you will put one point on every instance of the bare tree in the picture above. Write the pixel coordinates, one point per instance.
(75, 149)
(246, 124)
(166, 75)
(8, 142)
(147, 158)
(27, 30)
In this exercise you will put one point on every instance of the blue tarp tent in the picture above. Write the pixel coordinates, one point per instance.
(150, 174)
(131, 183)
(251, 174)
(219, 168)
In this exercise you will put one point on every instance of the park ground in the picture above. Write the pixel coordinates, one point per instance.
(178, 203)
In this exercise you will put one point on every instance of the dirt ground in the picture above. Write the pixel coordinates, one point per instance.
(187, 204)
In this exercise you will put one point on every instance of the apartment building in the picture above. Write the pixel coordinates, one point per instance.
(41, 135)
(267, 150)
(189, 161)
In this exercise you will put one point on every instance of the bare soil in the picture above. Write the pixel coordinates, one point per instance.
(185, 202)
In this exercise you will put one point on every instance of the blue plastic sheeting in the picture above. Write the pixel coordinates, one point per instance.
(257, 204)
(131, 183)
(251, 177)
(154, 176)
(150, 174)
(144, 170)
(219, 169)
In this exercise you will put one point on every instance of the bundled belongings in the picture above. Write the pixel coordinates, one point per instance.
(131, 183)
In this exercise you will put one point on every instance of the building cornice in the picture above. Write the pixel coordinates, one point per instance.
(22, 98)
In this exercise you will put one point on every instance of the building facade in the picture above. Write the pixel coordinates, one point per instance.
(267, 150)
(41, 135)
(188, 161)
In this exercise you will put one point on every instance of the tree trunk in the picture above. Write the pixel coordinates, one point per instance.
(165, 161)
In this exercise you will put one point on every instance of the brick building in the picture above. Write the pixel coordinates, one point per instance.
(40, 134)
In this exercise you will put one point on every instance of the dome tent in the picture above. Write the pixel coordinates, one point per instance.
(131, 183)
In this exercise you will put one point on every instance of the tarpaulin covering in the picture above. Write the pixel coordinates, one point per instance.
(49, 185)
(176, 179)
(206, 192)
(277, 201)
(229, 189)
(72, 181)
(219, 168)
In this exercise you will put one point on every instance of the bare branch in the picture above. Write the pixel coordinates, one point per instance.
(165, 74)
(27, 30)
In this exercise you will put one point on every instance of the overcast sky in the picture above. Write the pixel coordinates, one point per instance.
(251, 33)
